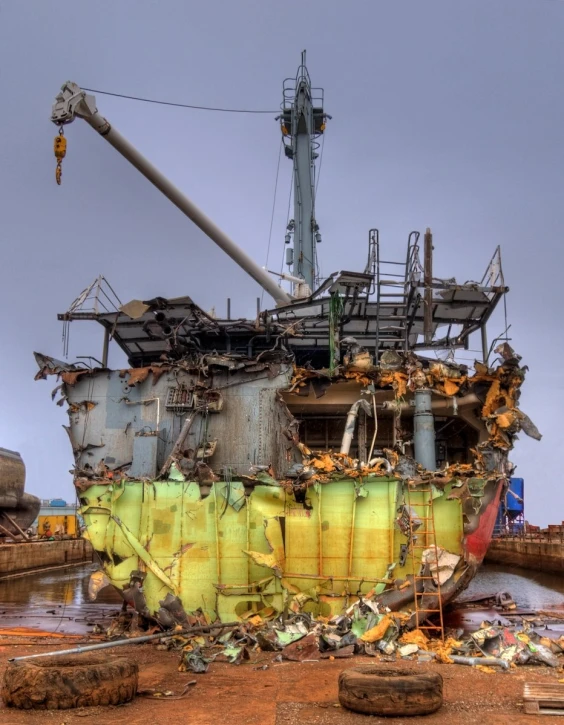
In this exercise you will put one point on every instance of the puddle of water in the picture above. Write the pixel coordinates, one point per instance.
(57, 601)
(529, 589)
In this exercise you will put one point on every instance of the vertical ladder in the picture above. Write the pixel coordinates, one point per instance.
(423, 537)
(394, 296)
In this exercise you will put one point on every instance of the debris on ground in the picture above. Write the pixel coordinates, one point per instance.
(164, 695)
(506, 640)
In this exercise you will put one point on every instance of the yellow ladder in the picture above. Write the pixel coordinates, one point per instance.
(422, 536)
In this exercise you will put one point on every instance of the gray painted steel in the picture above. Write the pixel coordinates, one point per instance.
(247, 430)
(302, 130)
(424, 430)
(145, 448)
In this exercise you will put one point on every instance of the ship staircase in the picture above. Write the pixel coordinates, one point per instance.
(422, 536)
(397, 297)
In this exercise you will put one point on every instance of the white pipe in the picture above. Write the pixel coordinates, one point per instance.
(472, 661)
(373, 461)
(375, 427)
(442, 404)
(132, 640)
(350, 424)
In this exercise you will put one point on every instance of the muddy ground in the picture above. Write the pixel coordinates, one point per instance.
(286, 693)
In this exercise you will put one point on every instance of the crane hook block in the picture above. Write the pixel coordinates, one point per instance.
(60, 147)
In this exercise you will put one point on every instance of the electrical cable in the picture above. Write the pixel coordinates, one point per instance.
(320, 162)
(65, 600)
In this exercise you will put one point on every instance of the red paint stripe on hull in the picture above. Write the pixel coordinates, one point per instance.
(477, 543)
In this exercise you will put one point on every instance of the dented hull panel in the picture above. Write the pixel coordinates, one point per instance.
(18, 509)
(269, 552)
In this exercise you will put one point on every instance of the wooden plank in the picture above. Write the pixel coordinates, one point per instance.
(543, 698)
(14, 523)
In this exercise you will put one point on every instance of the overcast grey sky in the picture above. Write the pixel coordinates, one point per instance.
(446, 113)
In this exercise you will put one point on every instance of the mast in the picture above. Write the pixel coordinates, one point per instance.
(302, 122)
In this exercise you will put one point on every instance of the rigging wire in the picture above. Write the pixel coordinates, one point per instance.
(320, 162)
(287, 222)
(66, 593)
(177, 105)
(316, 186)
(505, 315)
(273, 210)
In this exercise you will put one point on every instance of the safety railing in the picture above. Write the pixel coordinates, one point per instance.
(493, 276)
(554, 533)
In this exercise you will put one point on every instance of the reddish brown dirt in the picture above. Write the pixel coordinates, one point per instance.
(289, 693)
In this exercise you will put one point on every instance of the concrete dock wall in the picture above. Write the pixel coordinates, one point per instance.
(539, 554)
(36, 555)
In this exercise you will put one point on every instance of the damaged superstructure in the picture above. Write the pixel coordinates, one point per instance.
(304, 458)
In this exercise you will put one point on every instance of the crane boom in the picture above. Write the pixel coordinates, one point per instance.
(73, 102)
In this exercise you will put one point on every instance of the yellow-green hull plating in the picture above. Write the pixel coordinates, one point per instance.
(234, 551)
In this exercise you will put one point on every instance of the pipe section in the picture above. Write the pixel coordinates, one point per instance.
(131, 640)
(424, 430)
(472, 661)
(444, 404)
(373, 461)
(351, 423)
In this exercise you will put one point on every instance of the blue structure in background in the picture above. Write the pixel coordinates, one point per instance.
(511, 514)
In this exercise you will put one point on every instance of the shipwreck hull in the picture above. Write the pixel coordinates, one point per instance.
(297, 460)
(17, 508)
(230, 510)
(235, 551)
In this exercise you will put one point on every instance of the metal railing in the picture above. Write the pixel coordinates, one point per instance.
(553, 533)
(493, 276)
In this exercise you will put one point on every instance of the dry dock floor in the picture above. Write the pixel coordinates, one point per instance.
(284, 694)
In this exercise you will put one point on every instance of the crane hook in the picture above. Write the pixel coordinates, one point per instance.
(60, 148)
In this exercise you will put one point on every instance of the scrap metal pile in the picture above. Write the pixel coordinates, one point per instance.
(198, 466)
(364, 629)
(493, 390)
